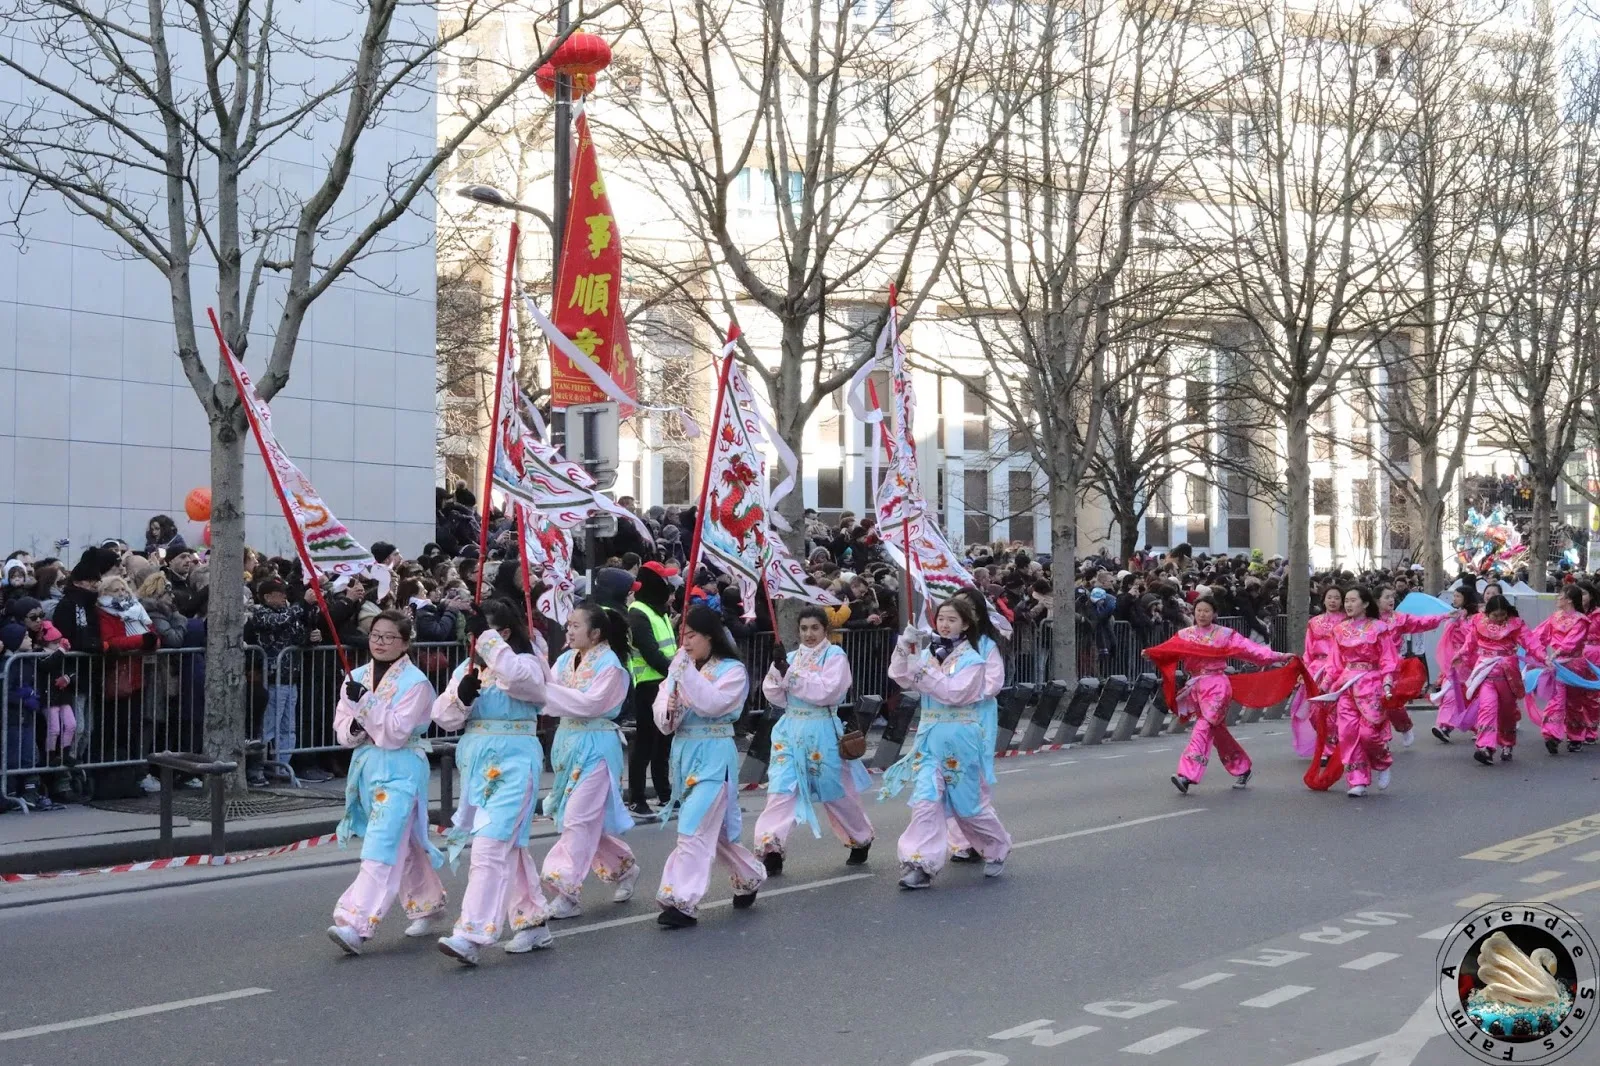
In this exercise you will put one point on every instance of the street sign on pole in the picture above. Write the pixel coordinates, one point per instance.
(594, 439)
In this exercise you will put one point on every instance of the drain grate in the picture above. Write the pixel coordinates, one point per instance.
(196, 806)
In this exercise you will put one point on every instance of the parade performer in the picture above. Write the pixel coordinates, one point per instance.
(994, 669)
(1565, 710)
(382, 714)
(1450, 697)
(1307, 718)
(703, 694)
(496, 695)
(1364, 661)
(1204, 650)
(1411, 679)
(1494, 687)
(945, 767)
(588, 691)
(1591, 651)
(806, 768)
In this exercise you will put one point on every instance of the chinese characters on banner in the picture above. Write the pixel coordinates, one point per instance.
(588, 304)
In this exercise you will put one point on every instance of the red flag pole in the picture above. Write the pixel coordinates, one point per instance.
(283, 500)
(705, 480)
(522, 561)
(494, 417)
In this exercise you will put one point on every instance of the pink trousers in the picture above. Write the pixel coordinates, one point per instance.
(584, 843)
(1364, 733)
(1568, 715)
(1211, 729)
(61, 728)
(846, 817)
(925, 843)
(1400, 720)
(1497, 713)
(687, 874)
(502, 887)
(377, 885)
(956, 839)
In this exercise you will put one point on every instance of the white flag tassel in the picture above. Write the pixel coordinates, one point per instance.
(596, 374)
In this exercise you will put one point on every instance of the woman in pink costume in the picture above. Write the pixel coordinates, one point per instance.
(1450, 697)
(1564, 635)
(807, 771)
(382, 714)
(1400, 626)
(1210, 691)
(1591, 651)
(587, 691)
(496, 696)
(702, 695)
(1364, 661)
(1304, 712)
(987, 641)
(1494, 687)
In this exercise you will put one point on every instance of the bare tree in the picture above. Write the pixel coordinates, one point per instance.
(157, 119)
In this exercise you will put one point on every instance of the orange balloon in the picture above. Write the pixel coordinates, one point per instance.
(197, 505)
(205, 535)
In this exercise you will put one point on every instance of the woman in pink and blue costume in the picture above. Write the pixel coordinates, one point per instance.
(382, 714)
(1450, 697)
(1564, 635)
(946, 766)
(1364, 660)
(496, 697)
(588, 691)
(702, 696)
(1591, 651)
(1494, 687)
(806, 770)
(1400, 626)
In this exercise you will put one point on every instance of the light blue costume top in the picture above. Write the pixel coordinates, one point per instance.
(805, 741)
(588, 696)
(386, 790)
(704, 760)
(947, 758)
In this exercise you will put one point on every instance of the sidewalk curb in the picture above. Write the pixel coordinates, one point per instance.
(73, 855)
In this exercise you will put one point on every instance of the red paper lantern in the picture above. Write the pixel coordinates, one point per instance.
(545, 76)
(197, 505)
(582, 53)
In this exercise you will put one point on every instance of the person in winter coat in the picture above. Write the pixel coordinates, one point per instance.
(77, 615)
(17, 581)
(280, 628)
(156, 597)
(125, 632)
(161, 538)
(437, 622)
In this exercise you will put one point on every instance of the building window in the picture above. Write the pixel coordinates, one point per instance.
(1399, 523)
(1322, 433)
(940, 496)
(1021, 487)
(1238, 502)
(1157, 518)
(1322, 496)
(1197, 402)
(1363, 497)
(975, 486)
(675, 483)
(830, 489)
(976, 411)
(1199, 497)
(830, 430)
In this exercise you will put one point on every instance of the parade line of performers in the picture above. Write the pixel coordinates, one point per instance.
(1348, 696)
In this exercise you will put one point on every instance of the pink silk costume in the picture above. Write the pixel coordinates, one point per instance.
(1208, 694)
(1364, 656)
(392, 721)
(1494, 687)
(1450, 698)
(1566, 712)
(1400, 626)
(1591, 651)
(1303, 712)
(500, 746)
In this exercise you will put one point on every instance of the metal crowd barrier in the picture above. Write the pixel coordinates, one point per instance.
(317, 677)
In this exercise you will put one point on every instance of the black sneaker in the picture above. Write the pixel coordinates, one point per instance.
(1181, 783)
(1574, 745)
(773, 861)
(1484, 756)
(1243, 780)
(1441, 734)
(966, 855)
(1552, 746)
(673, 918)
(316, 775)
(745, 902)
(641, 810)
(858, 856)
(1505, 753)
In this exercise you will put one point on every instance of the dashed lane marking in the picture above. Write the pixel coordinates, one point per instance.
(1593, 856)
(1542, 842)
(1436, 934)
(1206, 981)
(1064, 762)
(1281, 994)
(1106, 828)
(766, 893)
(1104, 758)
(133, 1012)
(1478, 899)
(1565, 893)
(1154, 1045)
(1017, 770)
(1541, 877)
(1368, 962)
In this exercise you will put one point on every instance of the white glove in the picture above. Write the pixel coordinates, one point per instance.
(911, 637)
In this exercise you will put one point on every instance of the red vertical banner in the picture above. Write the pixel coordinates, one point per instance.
(588, 303)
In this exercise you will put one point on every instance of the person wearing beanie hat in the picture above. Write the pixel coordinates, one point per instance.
(611, 588)
(77, 615)
(703, 694)
(654, 644)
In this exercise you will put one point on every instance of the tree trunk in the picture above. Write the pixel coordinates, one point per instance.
(1430, 551)
(225, 725)
(1539, 533)
(1128, 531)
(1297, 482)
(789, 424)
(1064, 569)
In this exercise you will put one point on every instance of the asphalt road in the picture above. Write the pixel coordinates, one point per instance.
(1265, 927)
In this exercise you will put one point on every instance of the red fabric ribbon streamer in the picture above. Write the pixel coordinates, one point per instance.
(1260, 688)
(1410, 682)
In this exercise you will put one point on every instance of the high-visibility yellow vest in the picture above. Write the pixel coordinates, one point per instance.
(666, 640)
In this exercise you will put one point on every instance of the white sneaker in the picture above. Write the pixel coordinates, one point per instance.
(424, 926)
(1356, 791)
(1383, 780)
(463, 951)
(530, 940)
(563, 907)
(150, 784)
(625, 884)
(915, 878)
(994, 868)
(1408, 738)
(348, 939)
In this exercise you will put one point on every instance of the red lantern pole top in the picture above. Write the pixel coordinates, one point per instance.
(582, 53)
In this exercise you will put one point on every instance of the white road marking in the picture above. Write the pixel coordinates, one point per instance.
(1399, 1048)
(1206, 981)
(1106, 828)
(1367, 962)
(1565, 893)
(1478, 900)
(1040, 1035)
(1017, 770)
(595, 927)
(1593, 856)
(132, 1012)
(1282, 994)
(1124, 755)
(1436, 934)
(1064, 762)
(1152, 1045)
(1541, 877)
(1152, 751)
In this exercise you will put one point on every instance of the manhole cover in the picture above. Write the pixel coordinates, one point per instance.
(196, 806)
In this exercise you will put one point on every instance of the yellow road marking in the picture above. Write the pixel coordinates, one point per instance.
(1541, 843)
